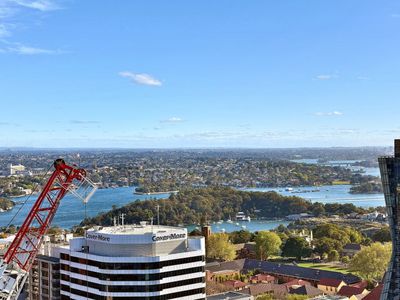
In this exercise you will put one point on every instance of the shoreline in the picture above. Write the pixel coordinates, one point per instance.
(155, 193)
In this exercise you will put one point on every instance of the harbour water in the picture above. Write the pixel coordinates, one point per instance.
(329, 194)
(252, 226)
(71, 212)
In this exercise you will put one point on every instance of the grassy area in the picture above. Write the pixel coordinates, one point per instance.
(326, 267)
(340, 182)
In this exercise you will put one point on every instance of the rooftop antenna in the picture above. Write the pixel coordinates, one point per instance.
(123, 219)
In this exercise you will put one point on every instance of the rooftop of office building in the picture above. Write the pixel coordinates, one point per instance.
(140, 229)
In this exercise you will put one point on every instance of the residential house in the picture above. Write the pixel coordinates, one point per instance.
(263, 278)
(307, 290)
(351, 249)
(235, 285)
(296, 283)
(330, 286)
(375, 294)
(282, 272)
(349, 291)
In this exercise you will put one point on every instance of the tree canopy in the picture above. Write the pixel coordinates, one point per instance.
(193, 206)
(296, 247)
(219, 247)
(267, 243)
(372, 261)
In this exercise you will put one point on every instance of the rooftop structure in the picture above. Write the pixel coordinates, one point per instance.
(133, 262)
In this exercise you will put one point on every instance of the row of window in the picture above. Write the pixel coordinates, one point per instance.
(131, 266)
(163, 297)
(133, 288)
(131, 277)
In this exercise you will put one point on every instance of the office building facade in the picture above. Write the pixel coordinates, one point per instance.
(390, 175)
(134, 262)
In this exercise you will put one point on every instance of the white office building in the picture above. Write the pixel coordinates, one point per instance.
(134, 262)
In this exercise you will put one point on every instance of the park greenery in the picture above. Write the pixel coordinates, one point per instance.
(297, 247)
(219, 247)
(372, 261)
(6, 204)
(367, 188)
(268, 243)
(202, 205)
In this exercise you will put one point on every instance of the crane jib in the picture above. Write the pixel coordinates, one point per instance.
(20, 255)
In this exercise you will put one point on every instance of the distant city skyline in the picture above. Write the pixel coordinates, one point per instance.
(172, 74)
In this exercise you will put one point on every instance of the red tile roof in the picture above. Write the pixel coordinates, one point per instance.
(234, 283)
(297, 282)
(263, 277)
(375, 294)
(330, 282)
(361, 284)
(350, 291)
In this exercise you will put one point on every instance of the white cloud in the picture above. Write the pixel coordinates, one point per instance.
(331, 113)
(84, 122)
(9, 20)
(141, 78)
(42, 5)
(27, 50)
(326, 76)
(172, 120)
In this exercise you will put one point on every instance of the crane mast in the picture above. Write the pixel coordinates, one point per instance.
(20, 255)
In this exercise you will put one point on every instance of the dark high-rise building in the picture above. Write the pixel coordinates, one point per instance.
(390, 174)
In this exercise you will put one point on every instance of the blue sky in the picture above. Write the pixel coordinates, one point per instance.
(199, 73)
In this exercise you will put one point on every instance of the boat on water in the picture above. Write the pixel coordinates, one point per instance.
(220, 222)
(240, 216)
(229, 220)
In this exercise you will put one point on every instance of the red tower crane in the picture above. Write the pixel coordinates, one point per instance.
(20, 255)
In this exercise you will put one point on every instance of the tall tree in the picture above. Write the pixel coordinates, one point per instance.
(241, 236)
(296, 247)
(267, 243)
(371, 262)
(382, 235)
(219, 247)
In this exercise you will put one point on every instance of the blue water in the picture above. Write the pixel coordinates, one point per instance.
(72, 211)
(252, 226)
(329, 194)
(341, 163)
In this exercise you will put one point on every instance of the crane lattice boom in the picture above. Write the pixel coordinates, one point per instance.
(22, 252)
